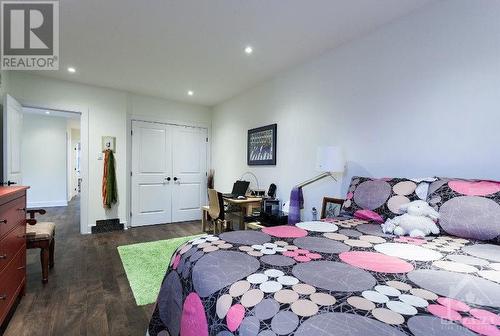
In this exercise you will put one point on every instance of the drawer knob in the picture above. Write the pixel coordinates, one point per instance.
(3, 221)
(3, 256)
(3, 297)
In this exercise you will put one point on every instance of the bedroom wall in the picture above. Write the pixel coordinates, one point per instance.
(108, 113)
(418, 97)
(46, 178)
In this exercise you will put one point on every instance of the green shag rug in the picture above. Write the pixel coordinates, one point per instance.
(145, 265)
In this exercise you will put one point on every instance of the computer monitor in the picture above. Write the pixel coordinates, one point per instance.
(240, 188)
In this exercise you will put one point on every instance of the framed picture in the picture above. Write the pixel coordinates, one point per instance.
(261, 146)
(331, 207)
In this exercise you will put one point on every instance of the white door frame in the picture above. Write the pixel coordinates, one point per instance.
(84, 163)
(159, 120)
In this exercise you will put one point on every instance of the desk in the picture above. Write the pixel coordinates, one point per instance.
(246, 206)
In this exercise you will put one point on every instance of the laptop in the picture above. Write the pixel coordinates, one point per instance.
(239, 189)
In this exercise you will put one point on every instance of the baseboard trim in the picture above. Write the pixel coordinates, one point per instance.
(47, 204)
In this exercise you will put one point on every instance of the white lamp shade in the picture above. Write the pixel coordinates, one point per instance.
(330, 159)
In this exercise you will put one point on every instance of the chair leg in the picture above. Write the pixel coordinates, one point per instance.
(203, 220)
(51, 250)
(214, 224)
(44, 258)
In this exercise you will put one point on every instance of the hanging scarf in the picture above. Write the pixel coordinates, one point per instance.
(109, 190)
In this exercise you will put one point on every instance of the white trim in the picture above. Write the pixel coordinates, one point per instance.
(84, 163)
(47, 204)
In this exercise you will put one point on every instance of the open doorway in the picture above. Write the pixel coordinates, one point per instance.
(50, 158)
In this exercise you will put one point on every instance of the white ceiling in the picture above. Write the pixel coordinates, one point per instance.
(165, 48)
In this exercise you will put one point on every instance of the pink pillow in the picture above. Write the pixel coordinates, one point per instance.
(368, 215)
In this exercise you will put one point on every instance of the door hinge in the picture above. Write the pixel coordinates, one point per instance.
(130, 213)
(130, 173)
(131, 132)
(207, 139)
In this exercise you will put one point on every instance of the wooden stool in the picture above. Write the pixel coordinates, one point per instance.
(41, 235)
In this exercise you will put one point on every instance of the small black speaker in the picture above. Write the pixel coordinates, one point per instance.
(272, 190)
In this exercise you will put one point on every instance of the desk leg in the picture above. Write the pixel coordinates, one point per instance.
(241, 224)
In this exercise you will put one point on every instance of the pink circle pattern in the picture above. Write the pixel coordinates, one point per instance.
(480, 327)
(482, 321)
(285, 231)
(444, 312)
(377, 262)
(485, 316)
(193, 319)
(410, 240)
(475, 188)
(453, 304)
(177, 260)
(302, 255)
(234, 316)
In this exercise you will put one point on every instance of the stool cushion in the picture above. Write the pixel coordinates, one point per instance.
(40, 231)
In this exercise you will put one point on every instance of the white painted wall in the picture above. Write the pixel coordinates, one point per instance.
(108, 113)
(418, 97)
(43, 156)
(167, 110)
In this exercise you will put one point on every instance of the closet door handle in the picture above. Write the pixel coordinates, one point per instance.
(175, 178)
(169, 178)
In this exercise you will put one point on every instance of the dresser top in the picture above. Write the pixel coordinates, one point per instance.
(6, 191)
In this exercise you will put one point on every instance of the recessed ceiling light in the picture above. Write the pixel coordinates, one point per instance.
(71, 69)
(248, 50)
(190, 93)
(47, 112)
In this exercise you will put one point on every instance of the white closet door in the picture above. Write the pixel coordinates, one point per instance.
(189, 192)
(151, 169)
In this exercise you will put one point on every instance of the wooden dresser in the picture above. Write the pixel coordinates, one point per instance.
(12, 247)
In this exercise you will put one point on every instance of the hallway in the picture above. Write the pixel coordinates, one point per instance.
(88, 292)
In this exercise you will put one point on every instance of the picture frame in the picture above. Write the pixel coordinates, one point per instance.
(331, 207)
(261, 146)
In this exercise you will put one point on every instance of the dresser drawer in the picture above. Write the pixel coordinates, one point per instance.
(14, 241)
(12, 278)
(12, 214)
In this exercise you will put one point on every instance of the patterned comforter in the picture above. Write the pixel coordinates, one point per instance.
(340, 277)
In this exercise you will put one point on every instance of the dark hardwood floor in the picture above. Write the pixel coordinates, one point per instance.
(88, 292)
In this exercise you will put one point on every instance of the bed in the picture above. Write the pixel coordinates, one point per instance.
(339, 276)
